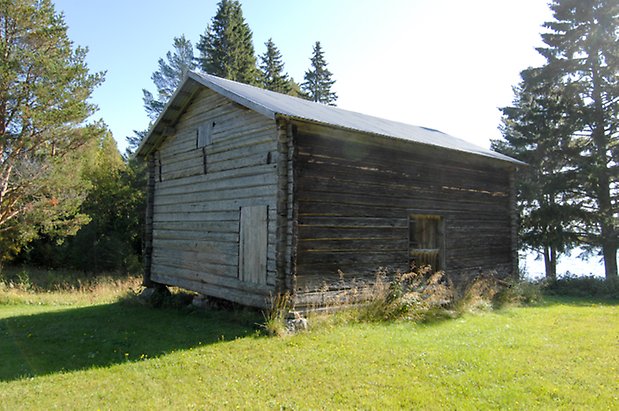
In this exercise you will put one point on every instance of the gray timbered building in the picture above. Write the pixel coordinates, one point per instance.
(253, 193)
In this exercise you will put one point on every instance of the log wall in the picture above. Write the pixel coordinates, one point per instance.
(199, 193)
(355, 194)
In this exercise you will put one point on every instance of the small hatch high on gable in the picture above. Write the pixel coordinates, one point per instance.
(204, 134)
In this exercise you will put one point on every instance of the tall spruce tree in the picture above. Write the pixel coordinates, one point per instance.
(45, 85)
(582, 67)
(273, 76)
(226, 48)
(582, 54)
(171, 71)
(318, 83)
(535, 131)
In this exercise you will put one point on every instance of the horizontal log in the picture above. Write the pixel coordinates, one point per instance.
(431, 201)
(229, 249)
(181, 255)
(215, 280)
(315, 135)
(344, 259)
(319, 233)
(223, 205)
(377, 169)
(199, 266)
(190, 217)
(342, 221)
(207, 184)
(221, 176)
(394, 188)
(222, 194)
(198, 235)
(249, 298)
(230, 226)
(317, 208)
(356, 245)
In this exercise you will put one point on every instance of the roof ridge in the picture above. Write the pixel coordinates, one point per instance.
(271, 104)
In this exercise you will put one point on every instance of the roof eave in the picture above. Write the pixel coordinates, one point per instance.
(178, 103)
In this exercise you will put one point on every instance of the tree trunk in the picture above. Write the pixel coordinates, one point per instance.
(610, 261)
(602, 172)
(550, 263)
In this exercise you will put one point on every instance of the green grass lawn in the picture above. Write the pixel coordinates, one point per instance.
(116, 355)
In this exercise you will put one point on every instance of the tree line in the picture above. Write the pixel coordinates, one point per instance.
(68, 197)
(226, 50)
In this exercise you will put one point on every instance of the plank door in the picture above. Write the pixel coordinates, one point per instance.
(253, 240)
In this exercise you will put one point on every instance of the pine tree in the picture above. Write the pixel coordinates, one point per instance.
(273, 76)
(45, 85)
(166, 80)
(226, 48)
(535, 131)
(318, 83)
(179, 61)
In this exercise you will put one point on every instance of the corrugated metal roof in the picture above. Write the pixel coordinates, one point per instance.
(272, 104)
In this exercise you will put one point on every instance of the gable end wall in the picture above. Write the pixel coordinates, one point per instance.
(198, 195)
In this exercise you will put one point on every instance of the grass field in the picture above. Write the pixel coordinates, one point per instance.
(104, 353)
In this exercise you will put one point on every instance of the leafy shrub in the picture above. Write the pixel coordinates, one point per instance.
(518, 293)
(585, 286)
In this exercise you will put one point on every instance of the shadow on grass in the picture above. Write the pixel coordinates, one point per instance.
(104, 335)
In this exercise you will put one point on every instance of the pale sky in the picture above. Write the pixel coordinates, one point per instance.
(444, 64)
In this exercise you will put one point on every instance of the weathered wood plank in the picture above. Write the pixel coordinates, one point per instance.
(215, 225)
(198, 235)
(221, 175)
(190, 217)
(218, 205)
(199, 266)
(245, 297)
(361, 146)
(213, 280)
(183, 255)
(425, 200)
(222, 194)
(212, 183)
(229, 249)
(253, 244)
(317, 233)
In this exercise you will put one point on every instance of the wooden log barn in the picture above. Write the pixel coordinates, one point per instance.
(252, 193)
